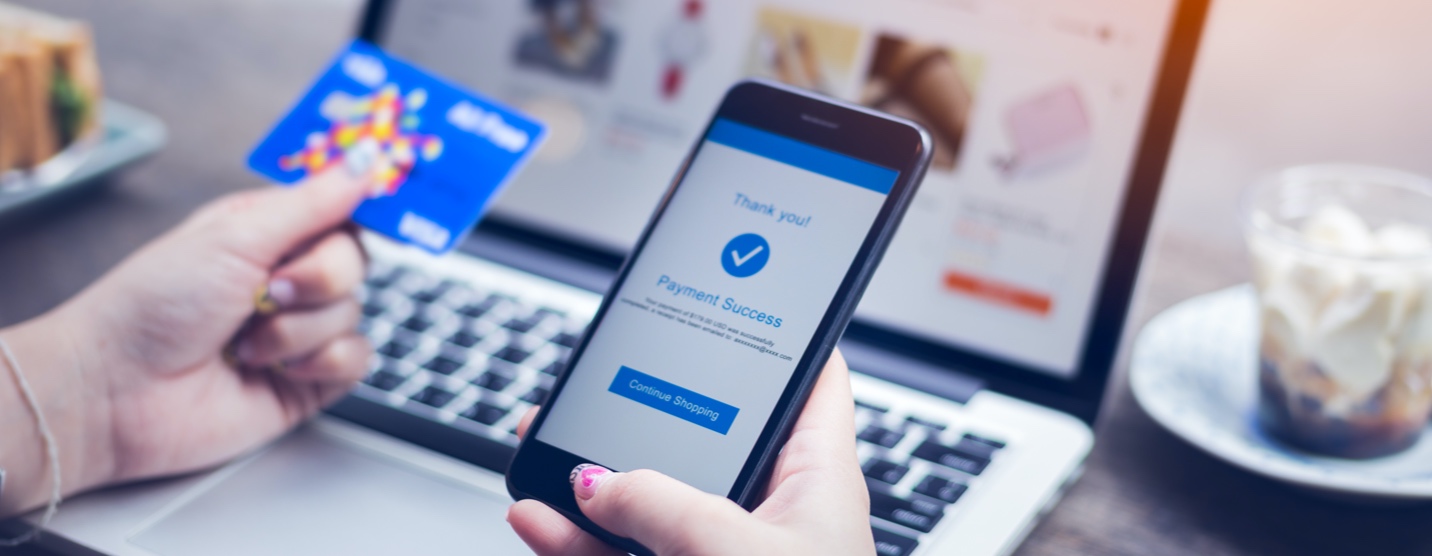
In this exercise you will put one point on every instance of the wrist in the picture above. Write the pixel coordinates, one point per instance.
(74, 399)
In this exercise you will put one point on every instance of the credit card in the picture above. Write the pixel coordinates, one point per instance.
(436, 154)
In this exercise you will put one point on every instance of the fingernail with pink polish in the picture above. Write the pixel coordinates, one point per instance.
(282, 292)
(585, 479)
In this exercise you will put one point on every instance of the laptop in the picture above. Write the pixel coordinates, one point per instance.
(980, 352)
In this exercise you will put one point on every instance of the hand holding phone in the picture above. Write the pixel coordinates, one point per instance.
(816, 504)
(710, 340)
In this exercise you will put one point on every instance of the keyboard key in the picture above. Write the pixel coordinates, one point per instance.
(536, 396)
(384, 380)
(871, 407)
(892, 544)
(474, 310)
(975, 448)
(887, 471)
(525, 324)
(396, 349)
(941, 488)
(465, 338)
(443, 364)
(432, 294)
(553, 369)
(492, 381)
(385, 280)
(485, 413)
(512, 354)
(927, 423)
(372, 309)
(880, 436)
(920, 515)
(417, 322)
(951, 457)
(434, 396)
(992, 442)
(565, 340)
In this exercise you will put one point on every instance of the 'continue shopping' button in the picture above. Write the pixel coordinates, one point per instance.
(671, 399)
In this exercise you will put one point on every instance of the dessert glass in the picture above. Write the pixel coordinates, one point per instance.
(1342, 259)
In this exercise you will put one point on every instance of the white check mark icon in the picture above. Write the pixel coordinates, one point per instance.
(740, 260)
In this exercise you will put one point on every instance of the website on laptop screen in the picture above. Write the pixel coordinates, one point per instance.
(1035, 106)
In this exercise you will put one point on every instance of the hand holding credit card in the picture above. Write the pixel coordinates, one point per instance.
(434, 154)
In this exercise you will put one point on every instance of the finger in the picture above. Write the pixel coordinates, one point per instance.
(338, 363)
(830, 411)
(817, 484)
(662, 513)
(264, 225)
(307, 386)
(526, 421)
(547, 533)
(296, 334)
(824, 434)
(328, 271)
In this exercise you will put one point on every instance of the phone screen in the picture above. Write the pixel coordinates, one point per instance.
(699, 342)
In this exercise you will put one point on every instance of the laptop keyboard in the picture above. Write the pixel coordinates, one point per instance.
(478, 359)
(449, 351)
(917, 469)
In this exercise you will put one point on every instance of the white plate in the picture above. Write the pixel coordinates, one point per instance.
(129, 135)
(1194, 370)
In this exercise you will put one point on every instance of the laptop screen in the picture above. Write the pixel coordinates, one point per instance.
(1036, 108)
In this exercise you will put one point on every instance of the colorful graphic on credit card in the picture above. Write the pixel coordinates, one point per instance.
(373, 134)
(433, 156)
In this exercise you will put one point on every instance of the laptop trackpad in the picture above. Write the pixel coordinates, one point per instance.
(313, 494)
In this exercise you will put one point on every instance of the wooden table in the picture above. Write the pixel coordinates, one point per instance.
(1278, 82)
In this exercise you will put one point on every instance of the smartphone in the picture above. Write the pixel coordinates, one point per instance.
(704, 351)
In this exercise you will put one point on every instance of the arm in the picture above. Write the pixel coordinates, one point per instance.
(72, 405)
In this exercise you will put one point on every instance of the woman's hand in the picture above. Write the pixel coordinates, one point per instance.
(816, 504)
(135, 368)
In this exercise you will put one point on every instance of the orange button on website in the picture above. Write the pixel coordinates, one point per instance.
(999, 293)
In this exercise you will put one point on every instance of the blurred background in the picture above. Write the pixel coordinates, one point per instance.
(1277, 83)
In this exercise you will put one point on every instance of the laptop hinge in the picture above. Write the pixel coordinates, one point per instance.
(887, 365)
(521, 256)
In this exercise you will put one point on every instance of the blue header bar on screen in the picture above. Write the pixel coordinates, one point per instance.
(803, 155)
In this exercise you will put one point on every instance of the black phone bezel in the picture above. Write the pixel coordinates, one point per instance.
(539, 470)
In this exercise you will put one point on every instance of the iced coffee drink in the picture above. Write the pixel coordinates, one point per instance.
(1342, 259)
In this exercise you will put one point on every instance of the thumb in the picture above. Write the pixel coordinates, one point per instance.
(662, 513)
(264, 225)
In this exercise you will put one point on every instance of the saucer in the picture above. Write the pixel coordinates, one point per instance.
(1194, 370)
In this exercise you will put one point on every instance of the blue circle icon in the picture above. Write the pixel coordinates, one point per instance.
(745, 255)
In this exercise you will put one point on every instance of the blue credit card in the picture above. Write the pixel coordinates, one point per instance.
(436, 155)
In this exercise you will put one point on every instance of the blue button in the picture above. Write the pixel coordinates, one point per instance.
(745, 255)
(671, 399)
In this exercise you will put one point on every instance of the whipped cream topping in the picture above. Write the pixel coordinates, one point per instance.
(1355, 304)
